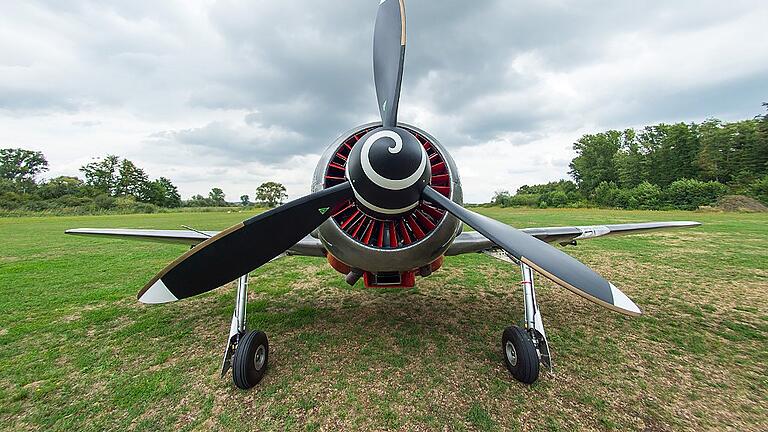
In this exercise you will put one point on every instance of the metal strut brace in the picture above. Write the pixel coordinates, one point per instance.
(533, 323)
(237, 326)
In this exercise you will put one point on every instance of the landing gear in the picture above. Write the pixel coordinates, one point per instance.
(524, 348)
(246, 353)
(520, 354)
(250, 360)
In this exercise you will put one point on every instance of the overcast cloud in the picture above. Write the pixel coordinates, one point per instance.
(234, 93)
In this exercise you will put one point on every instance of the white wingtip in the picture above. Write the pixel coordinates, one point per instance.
(157, 293)
(621, 301)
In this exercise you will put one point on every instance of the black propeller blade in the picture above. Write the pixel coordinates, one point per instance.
(554, 264)
(243, 247)
(388, 58)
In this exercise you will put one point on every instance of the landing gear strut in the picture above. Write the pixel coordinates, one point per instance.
(247, 352)
(524, 348)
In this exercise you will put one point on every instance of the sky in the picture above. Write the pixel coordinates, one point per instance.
(233, 93)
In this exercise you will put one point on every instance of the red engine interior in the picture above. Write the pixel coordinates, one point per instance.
(400, 230)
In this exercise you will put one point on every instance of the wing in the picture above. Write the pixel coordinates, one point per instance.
(308, 246)
(472, 241)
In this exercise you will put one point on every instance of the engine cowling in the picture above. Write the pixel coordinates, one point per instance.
(371, 241)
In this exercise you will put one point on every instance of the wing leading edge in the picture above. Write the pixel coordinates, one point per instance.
(466, 242)
(308, 246)
(472, 241)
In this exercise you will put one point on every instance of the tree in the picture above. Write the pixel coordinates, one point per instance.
(671, 152)
(759, 190)
(712, 152)
(684, 144)
(61, 186)
(217, 196)
(245, 200)
(762, 140)
(199, 201)
(594, 162)
(21, 166)
(271, 193)
(101, 175)
(132, 180)
(500, 198)
(163, 193)
(630, 161)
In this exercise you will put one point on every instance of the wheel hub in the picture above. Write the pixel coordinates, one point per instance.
(259, 357)
(511, 353)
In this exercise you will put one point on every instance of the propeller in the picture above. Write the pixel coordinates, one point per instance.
(387, 174)
(388, 58)
(554, 264)
(243, 247)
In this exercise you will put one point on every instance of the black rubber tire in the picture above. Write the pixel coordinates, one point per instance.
(244, 371)
(526, 367)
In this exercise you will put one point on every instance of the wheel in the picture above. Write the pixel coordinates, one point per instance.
(520, 354)
(249, 362)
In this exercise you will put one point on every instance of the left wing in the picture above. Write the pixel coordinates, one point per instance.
(308, 246)
(472, 241)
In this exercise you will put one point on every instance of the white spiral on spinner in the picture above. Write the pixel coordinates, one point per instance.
(378, 179)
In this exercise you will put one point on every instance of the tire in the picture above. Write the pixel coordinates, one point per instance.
(520, 355)
(249, 361)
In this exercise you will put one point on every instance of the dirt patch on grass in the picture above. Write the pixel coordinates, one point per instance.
(740, 203)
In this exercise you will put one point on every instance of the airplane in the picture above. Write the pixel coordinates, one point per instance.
(386, 206)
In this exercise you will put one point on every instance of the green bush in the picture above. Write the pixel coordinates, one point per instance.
(759, 190)
(606, 194)
(142, 208)
(500, 198)
(523, 200)
(554, 199)
(11, 200)
(104, 202)
(681, 194)
(688, 194)
(39, 205)
(73, 201)
(645, 196)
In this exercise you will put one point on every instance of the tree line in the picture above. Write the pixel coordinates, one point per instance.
(111, 183)
(682, 165)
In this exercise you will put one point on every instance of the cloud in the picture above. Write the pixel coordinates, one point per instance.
(242, 142)
(237, 92)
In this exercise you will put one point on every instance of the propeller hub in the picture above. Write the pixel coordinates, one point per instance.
(388, 168)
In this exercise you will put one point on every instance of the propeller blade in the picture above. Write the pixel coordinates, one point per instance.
(554, 264)
(243, 247)
(388, 58)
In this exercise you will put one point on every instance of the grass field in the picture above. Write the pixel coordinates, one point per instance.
(77, 352)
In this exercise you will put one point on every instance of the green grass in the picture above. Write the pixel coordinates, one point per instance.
(77, 352)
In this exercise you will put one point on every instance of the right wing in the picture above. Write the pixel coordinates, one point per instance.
(308, 246)
(473, 241)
